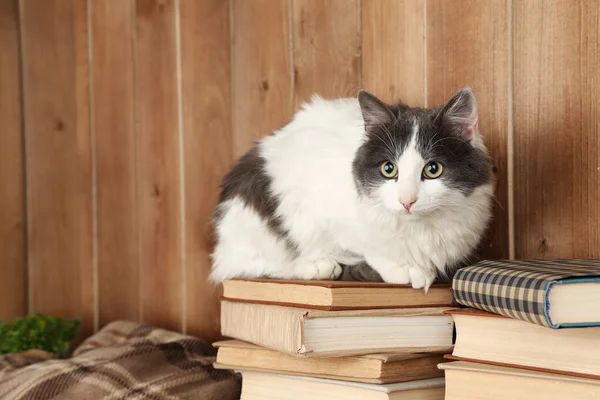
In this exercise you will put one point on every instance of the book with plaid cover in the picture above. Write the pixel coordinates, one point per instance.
(521, 289)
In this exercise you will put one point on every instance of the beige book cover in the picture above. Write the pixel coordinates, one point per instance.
(372, 368)
(263, 386)
(501, 340)
(468, 380)
(335, 295)
(317, 333)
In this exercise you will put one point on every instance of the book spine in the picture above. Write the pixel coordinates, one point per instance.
(273, 327)
(509, 297)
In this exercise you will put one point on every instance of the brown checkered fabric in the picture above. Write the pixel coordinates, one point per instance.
(125, 360)
(518, 289)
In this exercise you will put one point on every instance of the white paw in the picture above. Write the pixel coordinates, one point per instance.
(321, 269)
(328, 269)
(397, 275)
(421, 278)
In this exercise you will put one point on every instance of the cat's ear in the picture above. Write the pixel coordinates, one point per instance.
(374, 111)
(459, 115)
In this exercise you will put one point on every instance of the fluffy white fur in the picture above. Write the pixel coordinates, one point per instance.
(310, 161)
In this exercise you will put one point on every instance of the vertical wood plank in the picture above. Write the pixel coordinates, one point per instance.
(56, 94)
(557, 128)
(13, 269)
(205, 53)
(326, 37)
(393, 53)
(113, 32)
(467, 46)
(261, 76)
(158, 164)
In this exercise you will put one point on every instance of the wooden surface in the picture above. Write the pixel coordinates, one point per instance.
(158, 163)
(394, 50)
(467, 46)
(326, 44)
(557, 128)
(115, 135)
(13, 289)
(261, 75)
(205, 40)
(58, 165)
(115, 155)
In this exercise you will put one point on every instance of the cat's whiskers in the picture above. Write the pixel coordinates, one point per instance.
(392, 141)
(431, 144)
(391, 146)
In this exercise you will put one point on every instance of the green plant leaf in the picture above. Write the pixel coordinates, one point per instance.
(36, 331)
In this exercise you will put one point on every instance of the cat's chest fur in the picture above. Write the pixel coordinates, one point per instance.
(356, 229)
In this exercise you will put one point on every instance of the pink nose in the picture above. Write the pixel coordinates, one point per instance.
(408, 204)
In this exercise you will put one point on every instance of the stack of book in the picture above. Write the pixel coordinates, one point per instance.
(531, 331)
(335, 340)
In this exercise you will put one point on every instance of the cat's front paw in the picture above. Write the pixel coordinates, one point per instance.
(321, 269)
(421, 278)
(390, 271)
(397, 275)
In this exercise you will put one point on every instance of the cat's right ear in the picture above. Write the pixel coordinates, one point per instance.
(374, 111)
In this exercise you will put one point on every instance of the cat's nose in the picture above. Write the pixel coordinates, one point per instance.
(408, 204)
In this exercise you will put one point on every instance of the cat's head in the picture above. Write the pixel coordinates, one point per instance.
(416, 162)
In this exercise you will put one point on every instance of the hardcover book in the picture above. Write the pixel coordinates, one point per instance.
(262, 386)
(553, 293)
(334, 295)
(473, 381)
(493, 339)
(317, 333)
(371, 368)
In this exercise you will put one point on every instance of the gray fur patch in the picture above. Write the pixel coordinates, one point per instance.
(361, 272)
(249, 181)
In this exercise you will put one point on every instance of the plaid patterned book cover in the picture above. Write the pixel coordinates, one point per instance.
(520, 288)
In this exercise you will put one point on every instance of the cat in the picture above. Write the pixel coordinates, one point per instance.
(349, 181)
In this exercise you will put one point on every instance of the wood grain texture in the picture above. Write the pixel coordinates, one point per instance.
(205, 54)
(13, 267)
(393, 53)
(467, 46)
(59, 192)
(113, 32)
(158, 164)
(557, 128)
(261, 76)
(326, 38)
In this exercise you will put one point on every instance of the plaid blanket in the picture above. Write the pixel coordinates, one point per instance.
(125, 360)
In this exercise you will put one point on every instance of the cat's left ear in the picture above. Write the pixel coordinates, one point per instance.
(459, 115)
(374, 111)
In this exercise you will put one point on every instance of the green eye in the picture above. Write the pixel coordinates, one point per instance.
(388, 169)
(432, 170)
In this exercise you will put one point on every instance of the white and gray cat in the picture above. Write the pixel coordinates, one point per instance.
(406, 190)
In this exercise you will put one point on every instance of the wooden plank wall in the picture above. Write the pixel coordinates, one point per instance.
(13, 271)
(556, 76)
(119, 118)
(58, 158)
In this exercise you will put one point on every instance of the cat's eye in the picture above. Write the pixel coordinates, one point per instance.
(388, 169)
(432, 170)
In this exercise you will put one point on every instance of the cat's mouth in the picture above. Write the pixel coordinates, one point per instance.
(416, 214)
(410, 216)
